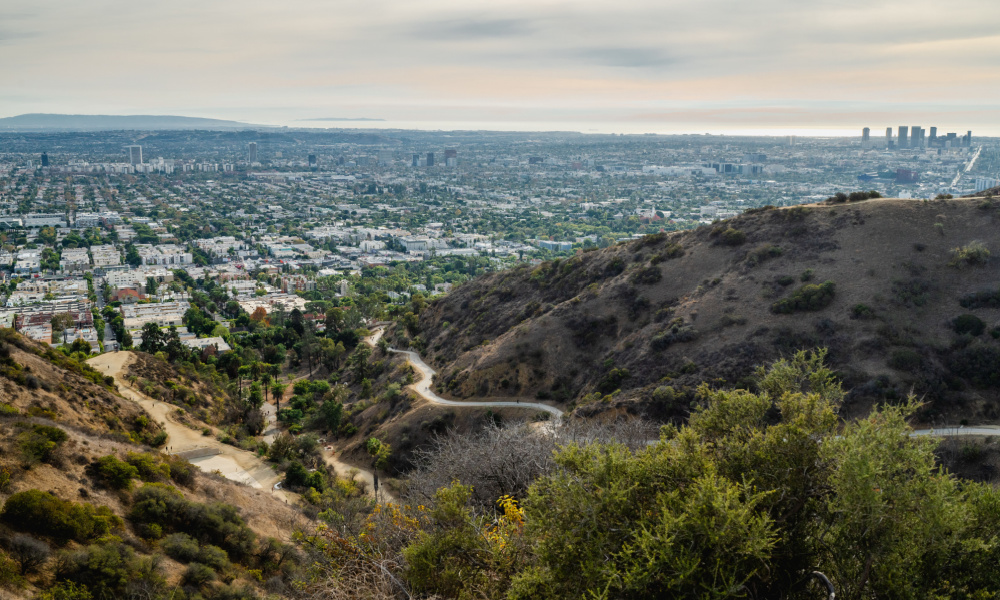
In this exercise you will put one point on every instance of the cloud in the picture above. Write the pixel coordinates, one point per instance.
(518, 58)
(470, 29)
(620, 57)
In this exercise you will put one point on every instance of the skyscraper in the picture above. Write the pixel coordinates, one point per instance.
(135, 155)
(416, 160)
(430, 159)
(866, 134)
(45, 159)
(933, 139)
(916, 136)
(888, 137)
(252, 152)
(451, 158)
(312, 161)
(903, 142)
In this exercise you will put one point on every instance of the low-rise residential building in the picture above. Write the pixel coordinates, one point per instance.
(164, 314)
(163, 255)
(28, 261)
(74, 260)
(105, 256)
(202, 343)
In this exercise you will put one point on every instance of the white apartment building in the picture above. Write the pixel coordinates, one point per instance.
(74, 260)
(164, 254)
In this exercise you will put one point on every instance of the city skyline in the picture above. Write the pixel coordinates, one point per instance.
(674, 67)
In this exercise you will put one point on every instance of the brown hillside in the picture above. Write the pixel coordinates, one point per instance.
(40, 381)
(704, 305)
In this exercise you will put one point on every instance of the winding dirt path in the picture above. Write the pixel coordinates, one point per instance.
(233, 463)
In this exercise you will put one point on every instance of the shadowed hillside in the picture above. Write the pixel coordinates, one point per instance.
(902, 292)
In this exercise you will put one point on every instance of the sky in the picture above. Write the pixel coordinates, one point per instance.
(631, 66)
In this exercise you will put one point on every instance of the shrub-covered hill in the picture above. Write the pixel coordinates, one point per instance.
(89, 510)
(903, 293)
(37, 380)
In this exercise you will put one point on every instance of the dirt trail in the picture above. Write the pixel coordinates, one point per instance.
(233, 463)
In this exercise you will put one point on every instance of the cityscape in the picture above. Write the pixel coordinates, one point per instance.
(273, 217)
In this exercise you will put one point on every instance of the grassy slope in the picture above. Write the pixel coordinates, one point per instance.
(556, 330)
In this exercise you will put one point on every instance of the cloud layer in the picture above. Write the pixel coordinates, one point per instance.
(667, 65)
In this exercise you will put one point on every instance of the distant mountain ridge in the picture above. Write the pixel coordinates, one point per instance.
(59, 122)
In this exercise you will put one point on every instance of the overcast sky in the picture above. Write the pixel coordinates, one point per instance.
(640, 65)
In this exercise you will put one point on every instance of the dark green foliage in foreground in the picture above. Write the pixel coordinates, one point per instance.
(806, 298)
(756, 492)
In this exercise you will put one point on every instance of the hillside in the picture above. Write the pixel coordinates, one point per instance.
(85, 500)
(897, 290)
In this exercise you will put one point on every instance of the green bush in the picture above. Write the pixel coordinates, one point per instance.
(672, 250)
(970, 324)
(181, 471)
(40, 443)
(612, 380)
(785, 280)
(214, 557)
(809, 297)
(148, 466)
(43, 513)
(647, 276)
(290, 416)
(113, 473)
(664, 394)
(160, 508)
(983, 299)
(298, 476)
(977, 363)
(763, 253)
(905, 359)
(975, 253)
(65, 590)
(862, 311)
(912, 292)
(729, 236)
(180, 547)
(105, 569)
(198, 575)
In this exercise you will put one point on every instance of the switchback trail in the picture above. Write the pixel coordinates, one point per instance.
(423, 388)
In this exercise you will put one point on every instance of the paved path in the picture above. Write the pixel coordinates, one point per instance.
(423, 388)
(958, 431)
(233, 463)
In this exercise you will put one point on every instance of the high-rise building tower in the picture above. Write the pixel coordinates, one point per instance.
(933, 138)
(312, 161)
(888, 137)
(866, 134)
(45, 159)
(416, 160)
(430, 159)
(968, 138)
(135, 155)
(902, 141)
(916, 136)
(252, 152)
(451, 158)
